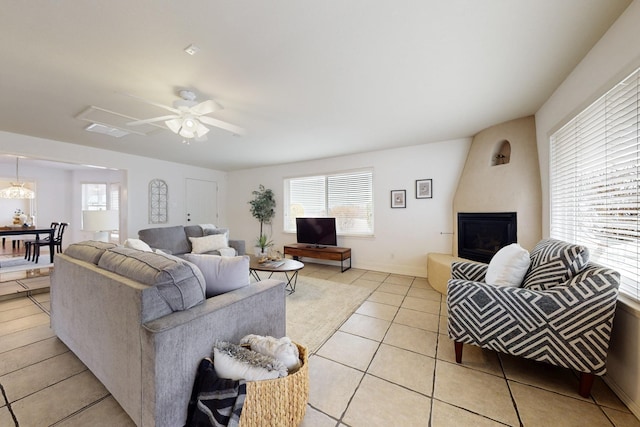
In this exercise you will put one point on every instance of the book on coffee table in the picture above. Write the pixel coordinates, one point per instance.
(273, 264)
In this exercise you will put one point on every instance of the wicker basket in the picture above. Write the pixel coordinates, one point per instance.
(279, 402)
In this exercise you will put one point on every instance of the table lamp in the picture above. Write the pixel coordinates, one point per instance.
(101, 223)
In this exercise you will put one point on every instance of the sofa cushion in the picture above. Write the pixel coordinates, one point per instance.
(201, 245)
(88, 251)
(221, 274)
(193, 231)
(554, 262)
(172, 240)
(508, 266)
(179, 283)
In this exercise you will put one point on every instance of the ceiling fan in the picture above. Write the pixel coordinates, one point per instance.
(189, 117)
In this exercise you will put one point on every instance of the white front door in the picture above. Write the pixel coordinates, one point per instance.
(202, 202)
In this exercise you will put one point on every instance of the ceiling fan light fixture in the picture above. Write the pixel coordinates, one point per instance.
(201, 130)
(186, 133)
(190, 123)
(174, 125)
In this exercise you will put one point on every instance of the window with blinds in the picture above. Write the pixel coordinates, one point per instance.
(347, 196)
(595, 163)
(98, 196)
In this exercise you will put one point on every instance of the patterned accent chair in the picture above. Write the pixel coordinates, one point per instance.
(562, 314)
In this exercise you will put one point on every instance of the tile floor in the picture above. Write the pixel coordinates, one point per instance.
(389, 364)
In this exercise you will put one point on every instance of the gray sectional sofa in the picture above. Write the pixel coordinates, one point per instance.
(141, 323)
(175, 240)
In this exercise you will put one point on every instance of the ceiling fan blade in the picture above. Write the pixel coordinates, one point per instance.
(206, 107)
(152, 120)
(222, 125)
(166, 107)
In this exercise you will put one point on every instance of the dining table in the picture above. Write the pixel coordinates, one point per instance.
(20, 230)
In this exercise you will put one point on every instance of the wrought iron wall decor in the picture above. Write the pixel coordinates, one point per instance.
(158, 202)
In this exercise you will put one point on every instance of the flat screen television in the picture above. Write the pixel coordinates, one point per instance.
(317, 231)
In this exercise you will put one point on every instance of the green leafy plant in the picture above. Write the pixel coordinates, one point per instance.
(263, 209)
(263, 242)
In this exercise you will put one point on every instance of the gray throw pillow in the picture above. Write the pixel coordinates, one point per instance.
(221, 274)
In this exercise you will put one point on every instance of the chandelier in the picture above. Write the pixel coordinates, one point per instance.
(17, 189)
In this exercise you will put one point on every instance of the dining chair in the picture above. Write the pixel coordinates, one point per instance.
(57, 241)
(31, 246)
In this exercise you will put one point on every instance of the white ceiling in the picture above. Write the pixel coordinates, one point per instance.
(306, 79)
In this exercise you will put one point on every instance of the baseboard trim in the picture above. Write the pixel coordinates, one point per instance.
(633, 406)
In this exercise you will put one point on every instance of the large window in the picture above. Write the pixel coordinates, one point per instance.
(97, 196)
(594, 178)
(347, 196)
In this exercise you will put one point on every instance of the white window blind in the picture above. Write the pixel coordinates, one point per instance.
(346, 196)
(94, 196)
(594, 178)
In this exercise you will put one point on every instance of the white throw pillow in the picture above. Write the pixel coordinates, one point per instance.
(508, 266)
(221, 274)
(213, 242)
(137, 244)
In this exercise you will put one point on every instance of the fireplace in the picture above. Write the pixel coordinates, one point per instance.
(481, 235)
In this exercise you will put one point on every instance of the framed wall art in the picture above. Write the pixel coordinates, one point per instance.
(398, 198)
(424, 189)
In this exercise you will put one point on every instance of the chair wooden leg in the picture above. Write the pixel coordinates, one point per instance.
(458, 348)
(586, 381)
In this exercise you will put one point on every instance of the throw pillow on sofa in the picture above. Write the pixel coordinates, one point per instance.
(137, 244)
(210, 231)
(213, 242)
(221, 274)
(508, 266)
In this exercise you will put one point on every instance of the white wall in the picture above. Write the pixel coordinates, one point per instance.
(403, 237)
(616, 55)
(55, 202)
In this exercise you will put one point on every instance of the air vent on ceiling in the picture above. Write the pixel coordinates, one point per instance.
(111, 119)
(106, 130)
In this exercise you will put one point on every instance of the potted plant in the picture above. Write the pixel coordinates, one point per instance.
(263, 209)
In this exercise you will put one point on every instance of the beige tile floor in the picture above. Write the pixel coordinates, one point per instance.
(389, 364)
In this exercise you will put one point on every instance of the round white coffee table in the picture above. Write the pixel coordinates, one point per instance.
(289, 267)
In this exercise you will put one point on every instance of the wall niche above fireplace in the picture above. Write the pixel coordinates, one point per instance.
(481, 235)
(501, 154)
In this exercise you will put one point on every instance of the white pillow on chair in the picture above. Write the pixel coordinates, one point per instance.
(508, 266)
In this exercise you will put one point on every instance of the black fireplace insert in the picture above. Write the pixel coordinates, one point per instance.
(481, 235)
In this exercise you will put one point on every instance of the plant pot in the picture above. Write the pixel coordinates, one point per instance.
(260, 252)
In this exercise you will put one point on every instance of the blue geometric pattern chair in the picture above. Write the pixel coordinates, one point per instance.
(562, 314)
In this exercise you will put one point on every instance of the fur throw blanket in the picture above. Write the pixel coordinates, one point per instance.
(281, 349)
